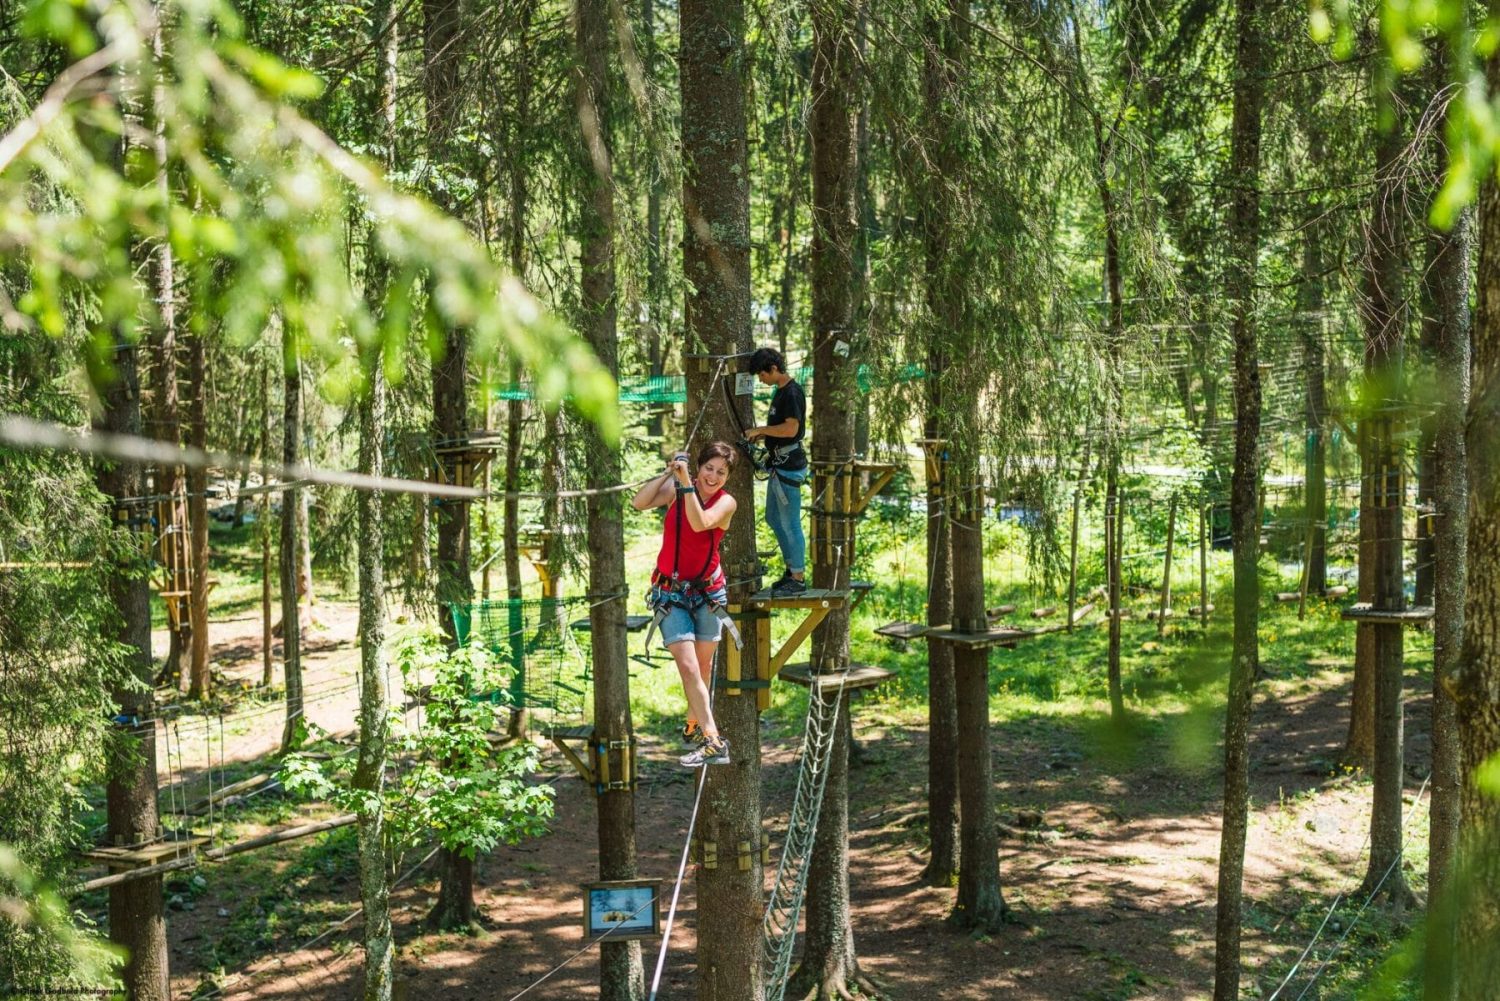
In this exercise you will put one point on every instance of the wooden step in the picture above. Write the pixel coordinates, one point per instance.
(901, 630)
(1364, 612)
(1003, 637)
(858, 676)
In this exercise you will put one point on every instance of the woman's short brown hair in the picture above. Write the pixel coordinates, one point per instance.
(716, 450)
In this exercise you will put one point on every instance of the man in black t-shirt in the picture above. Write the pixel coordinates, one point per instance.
(785, 426)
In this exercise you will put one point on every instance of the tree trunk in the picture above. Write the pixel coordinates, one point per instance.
(1244, 242)
(291, 629)
(1315, 503)
(830, 966)
(1359, 744)
(374, 702)
(979, 905)
(137, 921)
(657, 309)
(939, 67)
(1478, 680)
(441, 51)
(620, 973)
(268, 669)
(1383, 312)
(716, 268)
(197, 509)
(1450, 256)
(374, 699)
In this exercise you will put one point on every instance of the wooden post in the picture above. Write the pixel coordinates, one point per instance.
(1166, 574)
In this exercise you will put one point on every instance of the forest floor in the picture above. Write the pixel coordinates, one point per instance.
(1108, 858)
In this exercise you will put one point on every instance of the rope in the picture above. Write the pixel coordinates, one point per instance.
(1334, 906)
(23, 432)
(687, 848)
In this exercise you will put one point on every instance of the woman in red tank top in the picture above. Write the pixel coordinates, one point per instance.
(689, 582)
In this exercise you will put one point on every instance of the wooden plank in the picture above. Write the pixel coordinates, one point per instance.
(1081, 613)
(901, 630)
(578, 764)
(144, 855)
(858, 676)
(994, 637)
(811, 598)
(1363, 612)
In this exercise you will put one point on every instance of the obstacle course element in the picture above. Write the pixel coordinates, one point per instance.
(858, 676)
(1363, 611)
(606, 765)
(784, 906)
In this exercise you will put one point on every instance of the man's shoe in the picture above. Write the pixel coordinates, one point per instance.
(788, 587)
(713, 751)
(692, 733)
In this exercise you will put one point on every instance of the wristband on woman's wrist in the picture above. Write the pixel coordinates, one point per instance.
(686, 489)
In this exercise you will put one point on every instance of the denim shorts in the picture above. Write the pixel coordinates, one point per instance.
(689, 616)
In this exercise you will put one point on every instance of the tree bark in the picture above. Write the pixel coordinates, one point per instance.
(137, 921)
(941, 53)
(374, 698)
(1448, 273)
(1244, 243)
(657, 309)
(716, 267)
(1315, 461)
(1477, 681)
(268, 664)
(197, 510)
(1359, 743)
(830, 966)
(291, 627)
(441, 51)
(1383, 312)
(620, 973)
(979, 904)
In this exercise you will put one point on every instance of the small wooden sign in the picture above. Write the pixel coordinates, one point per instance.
(626, 908)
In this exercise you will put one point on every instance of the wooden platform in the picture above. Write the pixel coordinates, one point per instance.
(902, 630)
(1007, 638)
(858, 676)
(1362, 612)
(139, 856)
(811, 598)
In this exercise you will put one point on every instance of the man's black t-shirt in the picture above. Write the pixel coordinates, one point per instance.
(788, 401)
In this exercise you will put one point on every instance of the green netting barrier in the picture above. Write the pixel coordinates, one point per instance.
(551, 670)
(673, 388)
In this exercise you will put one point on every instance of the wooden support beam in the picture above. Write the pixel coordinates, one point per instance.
(799, 635)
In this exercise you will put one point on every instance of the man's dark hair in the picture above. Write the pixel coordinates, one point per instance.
(765, 359)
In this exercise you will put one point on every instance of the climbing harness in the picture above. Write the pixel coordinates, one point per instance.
(667, 591)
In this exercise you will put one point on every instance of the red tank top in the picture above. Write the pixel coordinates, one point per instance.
(698, 557)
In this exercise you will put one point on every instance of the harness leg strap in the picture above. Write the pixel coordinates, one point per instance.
(722, 614)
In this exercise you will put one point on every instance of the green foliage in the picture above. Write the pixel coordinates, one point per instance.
(255, 204)
(450, 783)
(36, 924)
(1472, 124)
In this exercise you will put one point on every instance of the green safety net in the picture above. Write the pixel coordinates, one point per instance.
(552, 672)
(669, 389)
